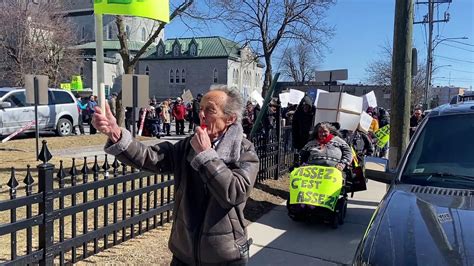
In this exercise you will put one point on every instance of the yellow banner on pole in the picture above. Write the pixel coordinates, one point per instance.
(153, 9)
(315, 185)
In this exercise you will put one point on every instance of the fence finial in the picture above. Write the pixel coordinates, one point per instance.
(45, 155)
(28, 178)
(12, 183)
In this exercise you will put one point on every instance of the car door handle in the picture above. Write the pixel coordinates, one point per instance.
(26, 111)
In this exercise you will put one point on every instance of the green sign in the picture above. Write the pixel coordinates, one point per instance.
(76, 83)
(153, 9)
(315, 185)
(65, 86)
(383, 136)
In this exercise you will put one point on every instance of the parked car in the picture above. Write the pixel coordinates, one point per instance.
(60, 115)
(427, 215)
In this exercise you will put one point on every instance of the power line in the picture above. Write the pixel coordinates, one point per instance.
(463, 43)
(464, 71)
(455, 59)
(464, 49)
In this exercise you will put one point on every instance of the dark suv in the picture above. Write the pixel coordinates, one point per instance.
(427, 215)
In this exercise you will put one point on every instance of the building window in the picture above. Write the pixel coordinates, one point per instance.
(171, 76)
(81, 73)
(161, 50)
(193, 50)
(176, 50)
(147, 71)
(215, 77)
(127, 31)
(109, 32)
(83, 33)
(183, 76)
(143, 35)
(177, 76)
(237, 81)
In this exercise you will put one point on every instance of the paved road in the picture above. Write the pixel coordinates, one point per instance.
(280, 241)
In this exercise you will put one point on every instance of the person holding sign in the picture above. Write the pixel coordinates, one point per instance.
(214, 173)
(325, 149)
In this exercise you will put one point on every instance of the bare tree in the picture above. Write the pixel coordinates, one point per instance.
(35, 39)
(265, 24)
(129, 60)
(299, 63)
(379, 72)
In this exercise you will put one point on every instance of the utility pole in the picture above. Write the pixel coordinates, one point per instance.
(401, 80)
(429, 19)
(429, 60)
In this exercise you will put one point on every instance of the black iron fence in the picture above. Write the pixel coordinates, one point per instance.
(70, 214)
(65, 216)
(275, 151)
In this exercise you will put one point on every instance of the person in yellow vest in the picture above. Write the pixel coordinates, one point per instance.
(374, 126)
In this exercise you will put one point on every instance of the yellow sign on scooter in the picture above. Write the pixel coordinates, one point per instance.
(315, 185)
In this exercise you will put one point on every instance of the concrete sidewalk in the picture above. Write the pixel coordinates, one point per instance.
(277, 240)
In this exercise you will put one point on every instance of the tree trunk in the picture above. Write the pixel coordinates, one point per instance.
(268, 76)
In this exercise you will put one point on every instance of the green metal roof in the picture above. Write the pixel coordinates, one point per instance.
(113, 45)
(212, 46)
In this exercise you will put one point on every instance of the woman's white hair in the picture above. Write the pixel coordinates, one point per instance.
(234, 105)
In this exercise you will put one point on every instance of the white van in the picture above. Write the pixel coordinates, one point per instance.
(60, 115)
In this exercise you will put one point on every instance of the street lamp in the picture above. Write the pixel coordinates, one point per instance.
(429, 65)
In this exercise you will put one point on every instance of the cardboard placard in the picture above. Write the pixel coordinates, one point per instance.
(315, 185)
(295, 96)
(284, 99)
(256, 96)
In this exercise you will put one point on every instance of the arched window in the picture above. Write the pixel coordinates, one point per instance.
(127, 31)
(147, 71)
(161, 50)
(176, 50)
(171, 76)
(183, 76)
(177, 75)
(215, 77)
(193, 50)
(143, 35)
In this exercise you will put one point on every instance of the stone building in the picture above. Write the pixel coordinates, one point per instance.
(196, 64)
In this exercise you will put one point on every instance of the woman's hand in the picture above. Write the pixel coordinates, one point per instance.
(200, 141)
(106, 123)
(340, 166)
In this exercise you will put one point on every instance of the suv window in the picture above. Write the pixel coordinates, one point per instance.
(61, 97)
(17, 99)
(2, 93)
(443, 152)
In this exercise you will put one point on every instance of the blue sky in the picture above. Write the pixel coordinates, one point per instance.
(363, 26)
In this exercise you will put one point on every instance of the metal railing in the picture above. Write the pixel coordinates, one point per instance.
(67, 217)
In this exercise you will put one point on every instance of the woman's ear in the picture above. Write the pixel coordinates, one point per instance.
(230, 120)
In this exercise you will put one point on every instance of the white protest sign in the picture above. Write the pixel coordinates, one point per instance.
(317, 96)
(255, 95)
(187, 96)
(369, 100)
(295, 96)
(365, 122)
(284, 99)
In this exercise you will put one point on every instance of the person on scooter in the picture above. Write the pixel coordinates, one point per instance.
(325, 149)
